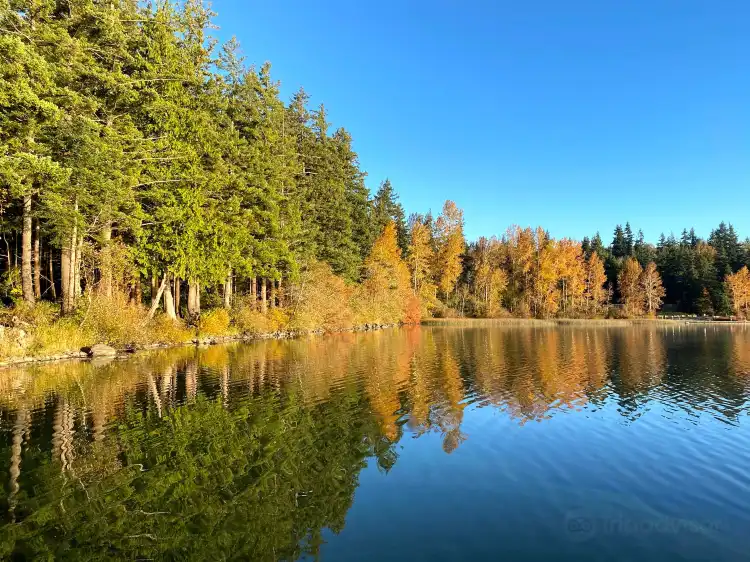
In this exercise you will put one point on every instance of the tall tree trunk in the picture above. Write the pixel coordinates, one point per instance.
(37, 263)
(72, 271)
(273, 293)
(27, 281)
(228, 291)
(65, 277)
(177, 296)
(194, 299)
(169, 300)
(52, 275)
(7, 249)
(280, 293)
(79, 252)
(68, 268)
(105, 283)
(263, 299)
(253, 292)
(157, 298)
(154, 288)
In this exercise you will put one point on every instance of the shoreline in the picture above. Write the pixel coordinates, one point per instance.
(209, 340)
(591, 322)
(203, 340)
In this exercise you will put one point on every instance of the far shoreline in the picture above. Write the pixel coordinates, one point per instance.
(608, 322)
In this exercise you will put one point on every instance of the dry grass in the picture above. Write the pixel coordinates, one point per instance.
(248, 321)
(40, 331)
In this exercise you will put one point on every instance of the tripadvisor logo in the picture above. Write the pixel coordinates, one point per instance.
(581, 525)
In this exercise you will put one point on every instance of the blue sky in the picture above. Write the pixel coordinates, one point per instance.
(575, 115)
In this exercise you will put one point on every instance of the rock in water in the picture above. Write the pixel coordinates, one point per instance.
(101, 350)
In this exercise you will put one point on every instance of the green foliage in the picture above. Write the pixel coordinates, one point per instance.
(200, 482)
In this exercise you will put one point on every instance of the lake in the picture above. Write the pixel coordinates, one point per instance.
(418, 443)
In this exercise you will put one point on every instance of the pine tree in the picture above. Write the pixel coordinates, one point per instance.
(619, 246)
(31, 114)
(386, 208)
(628, 239)
(643, 251)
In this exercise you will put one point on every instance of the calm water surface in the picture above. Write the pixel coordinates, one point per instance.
(431, 443)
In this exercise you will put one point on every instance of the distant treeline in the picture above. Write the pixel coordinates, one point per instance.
(527, 273)
(140, 157)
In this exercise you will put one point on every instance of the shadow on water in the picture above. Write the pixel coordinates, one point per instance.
(255, 451)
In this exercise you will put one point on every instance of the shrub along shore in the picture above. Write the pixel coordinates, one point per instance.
(317, 301)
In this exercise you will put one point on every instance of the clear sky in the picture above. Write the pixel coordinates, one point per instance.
(574, 115)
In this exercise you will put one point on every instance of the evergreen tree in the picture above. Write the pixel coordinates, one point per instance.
(628, 239)
(386, 209)
(619, 247)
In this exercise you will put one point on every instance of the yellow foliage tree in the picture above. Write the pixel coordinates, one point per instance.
(653, 290)
(572, 272)
(385, 295)
(520, 247)
(449, 235)
(490, 279)
(629, 281)
(420, 254)
(318, 299)
(545, 276)
(738, 288)
(595, 294)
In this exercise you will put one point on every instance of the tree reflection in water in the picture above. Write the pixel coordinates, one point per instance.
(251, 451)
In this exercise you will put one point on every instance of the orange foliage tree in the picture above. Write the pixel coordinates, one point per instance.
(595, 294)
(738, 287)
(629, 281)
(385, 295)
(572, 271)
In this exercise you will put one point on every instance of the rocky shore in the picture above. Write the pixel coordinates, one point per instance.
(100, 350)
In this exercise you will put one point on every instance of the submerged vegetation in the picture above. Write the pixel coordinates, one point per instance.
(156, 188)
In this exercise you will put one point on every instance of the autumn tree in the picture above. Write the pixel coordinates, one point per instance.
(595, 292)
(449, 239)
(489, 277)
(545, 275)
(386, 292)
(738, 288)
(629, 283)
(653, 290)
(386, 208)
(572, 272)
(420, 255)
(520, 247)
